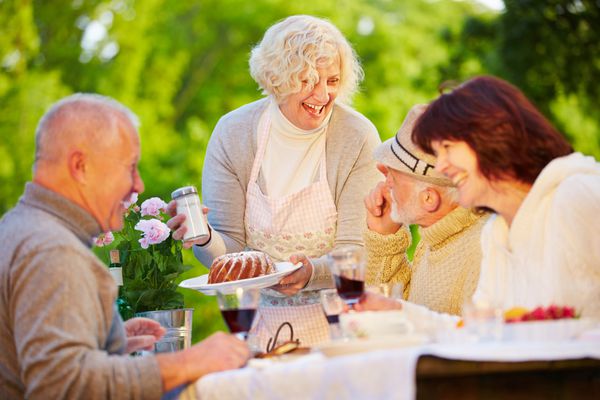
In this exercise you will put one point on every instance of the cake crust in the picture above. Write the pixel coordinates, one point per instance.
(237, 266)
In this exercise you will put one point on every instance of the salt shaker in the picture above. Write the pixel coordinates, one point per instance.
(188, 203)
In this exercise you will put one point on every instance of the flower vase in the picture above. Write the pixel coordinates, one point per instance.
(179, 328)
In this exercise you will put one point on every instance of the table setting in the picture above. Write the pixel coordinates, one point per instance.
(375, 354)
(377, 367)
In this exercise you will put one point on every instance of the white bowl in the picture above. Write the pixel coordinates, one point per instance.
(552, 330)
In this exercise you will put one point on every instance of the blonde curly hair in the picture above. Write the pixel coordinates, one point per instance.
(292, 50)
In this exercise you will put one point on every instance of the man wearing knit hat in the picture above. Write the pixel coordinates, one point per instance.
(445, 268)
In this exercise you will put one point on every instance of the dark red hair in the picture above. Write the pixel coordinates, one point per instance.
(510, 137)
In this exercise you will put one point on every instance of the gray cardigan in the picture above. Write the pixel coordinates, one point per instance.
(60, 334)
(351, 173)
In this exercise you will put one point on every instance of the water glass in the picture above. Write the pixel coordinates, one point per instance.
(333, 306)
(483, 321)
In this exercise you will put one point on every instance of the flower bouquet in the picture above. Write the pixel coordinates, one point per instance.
(151, 259)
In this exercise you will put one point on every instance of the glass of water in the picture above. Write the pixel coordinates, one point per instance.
(333, 306)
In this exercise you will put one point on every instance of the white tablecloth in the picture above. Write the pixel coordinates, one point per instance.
(381, 374)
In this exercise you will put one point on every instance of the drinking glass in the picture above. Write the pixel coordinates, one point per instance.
(333, 306)
(483, 320)
(238, 308)
(348, 266)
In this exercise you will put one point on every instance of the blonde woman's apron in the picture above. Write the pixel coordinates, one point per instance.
(301, 222)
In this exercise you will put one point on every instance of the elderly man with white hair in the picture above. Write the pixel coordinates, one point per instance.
(445, 269)
(61, 335)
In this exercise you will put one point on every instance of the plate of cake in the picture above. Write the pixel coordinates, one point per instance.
(245, 269)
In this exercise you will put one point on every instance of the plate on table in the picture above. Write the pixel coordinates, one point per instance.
(343, 347)
(201, 284)
(547, 330)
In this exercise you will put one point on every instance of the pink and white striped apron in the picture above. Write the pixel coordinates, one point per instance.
(301, 222)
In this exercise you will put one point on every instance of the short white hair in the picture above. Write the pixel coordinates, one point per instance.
(293, 49)
(76, 119)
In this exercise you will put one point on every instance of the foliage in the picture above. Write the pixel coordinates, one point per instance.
(550, 50)
(554, 46)
(150, 270)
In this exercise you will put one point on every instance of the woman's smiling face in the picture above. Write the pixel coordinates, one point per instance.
(458, 161)
(308, 108)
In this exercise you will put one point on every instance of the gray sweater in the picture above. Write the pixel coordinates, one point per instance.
(351, 173)
(60, 333)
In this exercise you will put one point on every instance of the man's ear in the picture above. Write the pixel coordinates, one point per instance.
(383, 169)
(77, 164)
(430, 199)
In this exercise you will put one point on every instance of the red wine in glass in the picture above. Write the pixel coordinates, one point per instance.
(239, 320)
(333, 319)
(349, 289)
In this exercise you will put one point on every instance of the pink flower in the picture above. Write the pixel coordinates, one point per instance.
(132, 200)
(153, 232)
(153, 206)
(104, 239)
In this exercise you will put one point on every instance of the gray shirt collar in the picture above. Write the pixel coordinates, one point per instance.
(75, 218)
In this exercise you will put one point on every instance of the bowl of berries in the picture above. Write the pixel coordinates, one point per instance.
(552, 323)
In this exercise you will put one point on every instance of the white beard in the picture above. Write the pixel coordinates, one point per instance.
(406, 215)
(396, 215)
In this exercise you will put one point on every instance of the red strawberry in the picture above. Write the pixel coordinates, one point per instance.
(555, 311)
(538, 314)
(568, 312)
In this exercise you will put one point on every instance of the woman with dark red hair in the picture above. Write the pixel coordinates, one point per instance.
(543, 245)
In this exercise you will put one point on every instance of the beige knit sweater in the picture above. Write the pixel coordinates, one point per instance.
(445, 269)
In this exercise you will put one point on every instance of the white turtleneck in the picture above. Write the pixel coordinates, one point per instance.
(292, 155)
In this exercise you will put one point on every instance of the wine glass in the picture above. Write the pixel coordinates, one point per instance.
(348, 266)
(333, 306)
(238, 308)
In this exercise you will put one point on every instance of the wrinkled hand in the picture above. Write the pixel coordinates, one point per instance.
(218, 352)
(379, 210)
(376, 302)
(142, 333)
(177, 227)
(297, 280)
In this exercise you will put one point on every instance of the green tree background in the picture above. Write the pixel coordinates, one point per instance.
(180, 65)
